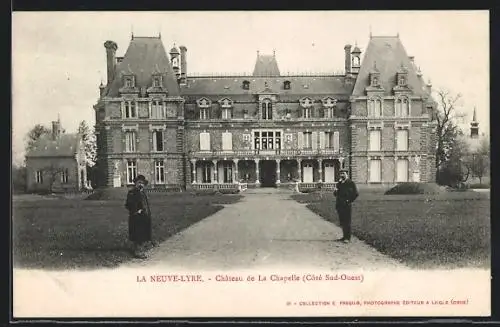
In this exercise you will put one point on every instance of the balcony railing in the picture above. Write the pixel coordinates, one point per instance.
(264, 152)
(240, 187)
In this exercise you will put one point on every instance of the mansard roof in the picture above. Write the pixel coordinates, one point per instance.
(144, 57)
(389, 54)
(299, 85)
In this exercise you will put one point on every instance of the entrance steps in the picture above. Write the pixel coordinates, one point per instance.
(268, 190)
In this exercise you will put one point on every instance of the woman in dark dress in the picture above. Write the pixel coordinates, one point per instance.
(139, 221)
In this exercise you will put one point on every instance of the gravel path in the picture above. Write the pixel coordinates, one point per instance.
(264, 231)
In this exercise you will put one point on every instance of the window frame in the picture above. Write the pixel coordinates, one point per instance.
(131, 166)
(132, 142)
(159, 171)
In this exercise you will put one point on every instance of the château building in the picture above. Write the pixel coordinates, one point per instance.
(267, 128)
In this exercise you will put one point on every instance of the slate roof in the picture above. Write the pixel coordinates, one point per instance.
(299, 85)
(144, 57)
(266, 65)
(389, 54)
(66, 145)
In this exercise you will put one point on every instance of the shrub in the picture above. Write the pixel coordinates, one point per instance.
(414, 188)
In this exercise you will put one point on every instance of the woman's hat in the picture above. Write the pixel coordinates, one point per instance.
(140, 178)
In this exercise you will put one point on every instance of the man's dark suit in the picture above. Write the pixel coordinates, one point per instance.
(346, 193)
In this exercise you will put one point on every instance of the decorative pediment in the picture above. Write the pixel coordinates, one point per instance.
(204, 103)
(226, 103)
(329, 102)
(306, 102)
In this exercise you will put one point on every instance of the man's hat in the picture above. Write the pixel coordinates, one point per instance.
(140, 178)
(343, 170)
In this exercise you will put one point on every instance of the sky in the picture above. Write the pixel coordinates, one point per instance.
(59, 58)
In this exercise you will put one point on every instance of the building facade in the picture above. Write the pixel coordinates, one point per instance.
(265, 129)
(56, 162)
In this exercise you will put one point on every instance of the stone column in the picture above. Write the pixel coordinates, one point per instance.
(278, 161)
(320, 170)
(193, 162)
(236, 178)
(216, 173)
(257, 173)
(299, 164)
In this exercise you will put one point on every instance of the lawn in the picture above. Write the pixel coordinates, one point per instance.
(81, 234)
(447, 230)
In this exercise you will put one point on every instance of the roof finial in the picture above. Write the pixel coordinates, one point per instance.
(474, 115)
(398, 35)
(370, 31)
(132, 32)
(258, 53)
(374, 64)
(274, 53)
(159, 35)
(59, 118)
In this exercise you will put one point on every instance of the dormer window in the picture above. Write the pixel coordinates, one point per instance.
(129, 81)
(286, 85)
(246, 85)
(402, 80)
(329, 104)
(226, 103)
(355, 61)
(204, 103)
(156, 81)
(204, 113)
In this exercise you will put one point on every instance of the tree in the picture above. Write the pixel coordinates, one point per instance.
(34, 134)
(480, 161)
(456, 169)
(18, 179)
(89, 141)
(52, 171)
(447, 129)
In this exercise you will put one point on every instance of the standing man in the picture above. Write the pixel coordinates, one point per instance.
(139, 221)
(345, 192)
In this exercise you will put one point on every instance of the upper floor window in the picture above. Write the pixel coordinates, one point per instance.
(374, 139)
(204, 113)
(129, 109)
(307, 139)
(266, 110)
(375, 107)
(129, 82)
(226, 113)
(157, 109)
(402, 107)
(328, 113)
(130, 141)
(307, 112)
(158, 141)
(286, 85)
(402, 140)
(246, 85)
(245, 113)
(355, 61)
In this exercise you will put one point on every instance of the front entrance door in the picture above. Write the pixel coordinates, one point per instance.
(268, 173)
(308, 173)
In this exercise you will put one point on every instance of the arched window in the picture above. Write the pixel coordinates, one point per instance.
(246, 85)
(267, 110)
(286, 85)
(355, 61)
(375, 107)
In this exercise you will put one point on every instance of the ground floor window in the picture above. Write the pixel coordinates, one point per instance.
(375, 170)
(159, 172)
(131, 171)
(64, 175)
(206, 174)
(228, 172)
(402, 170)
(39, 176)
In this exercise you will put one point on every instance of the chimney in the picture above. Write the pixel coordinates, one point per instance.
(101, 89)
(183, 65)
(56, 129)
(347, 49)
(111, 59)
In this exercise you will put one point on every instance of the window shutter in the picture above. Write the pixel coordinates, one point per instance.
(300, 140)
(336, 140)
(321, 140)
(204, 141)
(314, 140)
(227, 141)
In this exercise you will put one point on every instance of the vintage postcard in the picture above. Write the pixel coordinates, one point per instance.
(251, 164)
